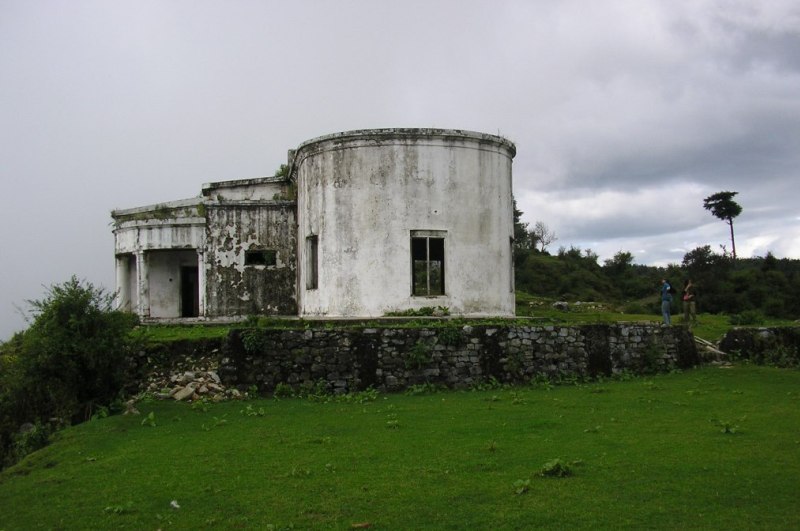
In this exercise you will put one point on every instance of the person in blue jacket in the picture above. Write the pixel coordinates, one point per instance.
(666, 300)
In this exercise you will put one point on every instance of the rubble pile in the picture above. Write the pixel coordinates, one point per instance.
(190, 386)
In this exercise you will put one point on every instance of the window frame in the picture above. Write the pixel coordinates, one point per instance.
(440, 236)
(312, 262)
(268, 258)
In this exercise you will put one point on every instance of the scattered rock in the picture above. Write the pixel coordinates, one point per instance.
(130, 407)
(184, 393)
(200, 380)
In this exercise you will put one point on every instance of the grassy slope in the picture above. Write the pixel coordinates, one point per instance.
(650, 458)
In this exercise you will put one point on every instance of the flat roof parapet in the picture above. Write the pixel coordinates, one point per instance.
(410, 134)
(180, 203)
(208, 188)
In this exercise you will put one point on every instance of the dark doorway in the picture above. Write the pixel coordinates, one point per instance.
(190, 293)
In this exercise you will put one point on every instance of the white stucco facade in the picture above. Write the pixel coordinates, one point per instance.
(159, 258)
(227, 253)
(358, 224)
(364, 197)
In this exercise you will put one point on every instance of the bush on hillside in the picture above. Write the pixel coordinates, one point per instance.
(70, 361)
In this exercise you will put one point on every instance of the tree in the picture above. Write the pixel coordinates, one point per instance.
(74, 354)
(725, 208)
(522, 238)
(700, 260)
(72, 359)
(621, 262)
(542, 236)
(282, 171)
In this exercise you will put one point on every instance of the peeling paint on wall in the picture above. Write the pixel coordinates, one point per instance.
(239, 289)
(360, 196)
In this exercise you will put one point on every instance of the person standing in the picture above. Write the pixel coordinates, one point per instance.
(666, 300)
(689, 303)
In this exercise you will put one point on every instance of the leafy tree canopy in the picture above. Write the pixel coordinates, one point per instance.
(71, 360)
(723, 206)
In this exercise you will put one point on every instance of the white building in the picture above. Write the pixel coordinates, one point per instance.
(362, 224)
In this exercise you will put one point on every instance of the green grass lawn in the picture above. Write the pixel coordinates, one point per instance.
(645, 453)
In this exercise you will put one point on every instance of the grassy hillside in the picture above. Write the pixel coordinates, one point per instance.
(709, 448)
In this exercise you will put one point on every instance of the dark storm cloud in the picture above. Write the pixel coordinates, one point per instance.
(626, 113)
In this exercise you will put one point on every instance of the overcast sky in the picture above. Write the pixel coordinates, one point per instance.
(626, 114)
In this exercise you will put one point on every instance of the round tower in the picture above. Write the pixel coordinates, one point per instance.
(397, 219)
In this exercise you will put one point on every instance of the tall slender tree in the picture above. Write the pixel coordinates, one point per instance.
(725, 208)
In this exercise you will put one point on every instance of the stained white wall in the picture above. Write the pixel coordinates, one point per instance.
(263, 188)
(132, 237)
(363, 192)
(164, 280)
(159, 239)
(127, 292)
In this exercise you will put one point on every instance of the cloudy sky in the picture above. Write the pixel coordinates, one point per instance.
(626, 114)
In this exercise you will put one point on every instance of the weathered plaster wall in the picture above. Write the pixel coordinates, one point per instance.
(164, 278)
(173, 225)
(362, 193)
(151, 244)
(126, 282)
(233, 288)
(259, 189)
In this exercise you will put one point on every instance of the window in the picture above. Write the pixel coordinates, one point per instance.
(427, 263)
(312, 258)
(261, 258)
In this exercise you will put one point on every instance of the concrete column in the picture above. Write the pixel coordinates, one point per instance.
(142, 285)
(201, 283)
(123, 291)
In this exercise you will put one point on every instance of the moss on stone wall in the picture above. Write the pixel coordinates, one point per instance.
(772, 346)
(390, 359)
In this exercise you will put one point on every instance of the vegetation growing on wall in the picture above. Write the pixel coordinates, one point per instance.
(161, 212)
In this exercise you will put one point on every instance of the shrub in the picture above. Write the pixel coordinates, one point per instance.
(418, 356)
(71, 360)
(283, 390)
(253, 340)
(747, 318)
(555, 468)
(450, 336)
(27, 440)
(75, 353)
(650, 359)
(637, 308)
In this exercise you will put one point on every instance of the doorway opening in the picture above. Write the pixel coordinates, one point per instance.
(190, 293)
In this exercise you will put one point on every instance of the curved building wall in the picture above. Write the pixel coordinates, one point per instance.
(397, 219)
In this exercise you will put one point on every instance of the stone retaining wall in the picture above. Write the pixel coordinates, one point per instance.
(392, 359)
(776, 346)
